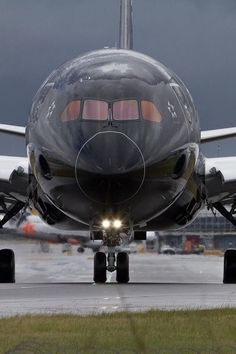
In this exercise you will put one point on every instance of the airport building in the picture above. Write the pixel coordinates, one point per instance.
(212, 231)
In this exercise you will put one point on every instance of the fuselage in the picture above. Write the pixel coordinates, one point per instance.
(114, 133)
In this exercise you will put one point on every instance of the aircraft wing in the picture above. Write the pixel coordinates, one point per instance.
(12, 129)
(45, 233)
(217, 134)
(29, 231)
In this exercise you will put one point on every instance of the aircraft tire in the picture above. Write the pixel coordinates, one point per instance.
(230, 267)
(7, 266)
(100, 269)
(122, 267)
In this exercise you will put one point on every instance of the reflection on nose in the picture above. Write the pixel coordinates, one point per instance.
(110, 168)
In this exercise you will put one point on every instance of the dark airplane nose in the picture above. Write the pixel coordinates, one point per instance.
(110, 168)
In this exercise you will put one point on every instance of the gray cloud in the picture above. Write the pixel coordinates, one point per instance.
(195, 38)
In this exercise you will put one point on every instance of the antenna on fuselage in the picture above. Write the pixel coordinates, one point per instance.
(126, 25)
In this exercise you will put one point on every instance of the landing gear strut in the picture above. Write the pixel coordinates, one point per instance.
(7, 266)
(230, 267)
(119, 264)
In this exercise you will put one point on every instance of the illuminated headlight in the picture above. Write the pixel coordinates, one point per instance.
(117, 224)
(106, 224)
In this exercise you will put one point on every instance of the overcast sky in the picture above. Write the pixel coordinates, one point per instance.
(195, 38)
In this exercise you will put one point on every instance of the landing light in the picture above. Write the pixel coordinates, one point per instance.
(106, 224)
(117, 224)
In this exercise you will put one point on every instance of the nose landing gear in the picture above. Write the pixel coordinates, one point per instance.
(120, 264)
(112, 263)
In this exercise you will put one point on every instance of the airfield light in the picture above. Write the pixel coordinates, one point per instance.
(106, 224)
(117, 224)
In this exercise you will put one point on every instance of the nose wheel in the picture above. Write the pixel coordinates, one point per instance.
(122, 267)
(102, 265)
(100, 269)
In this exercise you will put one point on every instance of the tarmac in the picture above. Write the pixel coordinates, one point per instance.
(58, 283)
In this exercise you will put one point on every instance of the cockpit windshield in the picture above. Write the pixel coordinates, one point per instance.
(95, 110)
(125, 110)
(99, 110)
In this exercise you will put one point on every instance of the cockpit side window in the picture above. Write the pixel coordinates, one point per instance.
(150, 111)
(95, 110)
(72, 111)
(125, 110)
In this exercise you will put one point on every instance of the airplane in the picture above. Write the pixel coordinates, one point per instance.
(31, 227)
(114, 148)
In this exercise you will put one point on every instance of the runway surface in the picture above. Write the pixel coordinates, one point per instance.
(57, 283)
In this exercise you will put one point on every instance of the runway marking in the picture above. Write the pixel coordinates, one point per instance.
(25, 287)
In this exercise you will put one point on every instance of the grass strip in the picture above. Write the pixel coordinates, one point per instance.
(165, 332)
